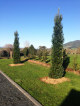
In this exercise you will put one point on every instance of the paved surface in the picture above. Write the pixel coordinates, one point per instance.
(10, 95)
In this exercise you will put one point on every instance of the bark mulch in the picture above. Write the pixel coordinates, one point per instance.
(54, 81)
(40, 63)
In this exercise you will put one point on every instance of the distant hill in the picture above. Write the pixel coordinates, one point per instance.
(72, 44)
(0, 47)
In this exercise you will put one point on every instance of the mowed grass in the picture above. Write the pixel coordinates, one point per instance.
(28, 77)
(72, 57)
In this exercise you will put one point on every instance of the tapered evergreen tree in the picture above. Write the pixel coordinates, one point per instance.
(16, 50)
(57, 70)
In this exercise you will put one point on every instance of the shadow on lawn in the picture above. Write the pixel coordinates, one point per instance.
(24, 60)
(73, 99)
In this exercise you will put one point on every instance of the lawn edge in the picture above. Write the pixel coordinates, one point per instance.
(21, 90)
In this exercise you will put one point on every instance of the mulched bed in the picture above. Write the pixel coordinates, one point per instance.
(38, 62)
(49, 80)
(15, 65)
(48, 65)
(77, 72)
(10, 95)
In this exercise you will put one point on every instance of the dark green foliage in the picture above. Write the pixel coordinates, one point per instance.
(66, 60)
(36, 58)
(57, 70)
(32, 51)
(4, 53)
(48, 60)
(39, 54)
(16, 50)
(42, 53)
(21, 53)
(26, 51)
(45, 55)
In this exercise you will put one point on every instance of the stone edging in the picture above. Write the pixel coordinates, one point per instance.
(22, 90)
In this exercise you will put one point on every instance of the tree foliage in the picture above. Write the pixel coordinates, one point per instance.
(32, 51)
(42, 53)
(4, 53)
(57, 70)
(16, 50)
(26, 51)
(66, 60)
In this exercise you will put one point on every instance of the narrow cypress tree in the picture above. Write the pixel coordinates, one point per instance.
(57, 70)
(16, 50)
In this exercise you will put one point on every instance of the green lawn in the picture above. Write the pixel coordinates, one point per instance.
(72, 56)
(27, 77)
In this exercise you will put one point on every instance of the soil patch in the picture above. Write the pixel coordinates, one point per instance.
(49, 80)
(15, 65)
(77, 72)
(40, 63)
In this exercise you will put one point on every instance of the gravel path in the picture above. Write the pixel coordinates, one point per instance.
(10, 95)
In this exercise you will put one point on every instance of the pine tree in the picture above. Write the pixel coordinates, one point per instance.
(16, 50)
(57, 70)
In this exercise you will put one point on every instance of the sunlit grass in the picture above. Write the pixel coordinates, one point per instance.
(28, 76)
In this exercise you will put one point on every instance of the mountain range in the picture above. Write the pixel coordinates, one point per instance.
(72, 44)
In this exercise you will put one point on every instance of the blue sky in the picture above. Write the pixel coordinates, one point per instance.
(34, 21)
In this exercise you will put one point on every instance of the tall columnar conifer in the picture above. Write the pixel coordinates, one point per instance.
(57, 70)
(16, 50)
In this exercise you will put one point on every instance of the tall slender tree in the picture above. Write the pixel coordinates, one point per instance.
(16, 50)
(57, 70)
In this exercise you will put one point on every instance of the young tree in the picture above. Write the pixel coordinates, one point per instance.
(57, 70)
(40, 52)
(45, 55)
(26, 51)
(16, 50)
(32, 51)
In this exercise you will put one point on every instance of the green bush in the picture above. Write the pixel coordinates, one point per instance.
(48, 60)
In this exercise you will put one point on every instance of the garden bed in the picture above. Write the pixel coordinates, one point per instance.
(15, 65)
(40, 63)
(49, 80)
(28, 77)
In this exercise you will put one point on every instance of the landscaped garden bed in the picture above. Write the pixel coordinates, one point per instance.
(28, 77)
(15, 65)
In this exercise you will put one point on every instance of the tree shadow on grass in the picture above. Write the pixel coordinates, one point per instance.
(23, 61)
(73, 99)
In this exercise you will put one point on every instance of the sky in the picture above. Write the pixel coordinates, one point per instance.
(34, 21)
